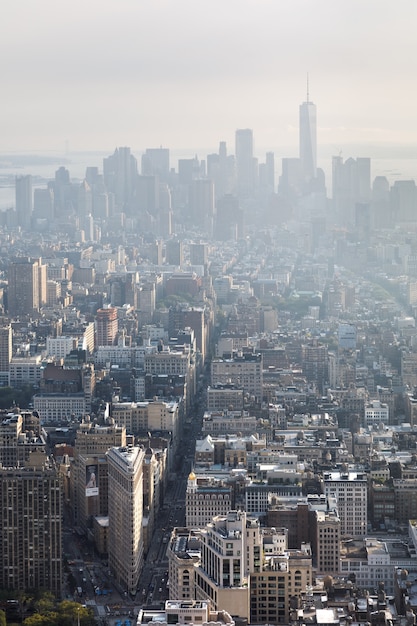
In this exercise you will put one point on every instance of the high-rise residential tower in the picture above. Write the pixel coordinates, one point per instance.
(308, 139)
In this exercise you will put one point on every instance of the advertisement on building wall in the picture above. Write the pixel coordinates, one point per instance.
(91, 485)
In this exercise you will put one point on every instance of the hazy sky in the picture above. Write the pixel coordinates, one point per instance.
(187, 73)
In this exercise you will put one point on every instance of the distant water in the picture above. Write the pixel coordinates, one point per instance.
(43, 167)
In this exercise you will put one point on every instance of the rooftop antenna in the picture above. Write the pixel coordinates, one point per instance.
(308, 94)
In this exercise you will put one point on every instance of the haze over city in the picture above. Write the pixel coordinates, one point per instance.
(93, 75)
(208, 313)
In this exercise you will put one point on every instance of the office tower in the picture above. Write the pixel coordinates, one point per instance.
(351, 183)
(63, 201)
(350, 490)
(24, 200)
(125, 495)
(194, 318)
(106, 326)
(404, 201)
(120, 171)
(380, 203)
(146, 301)
(43, 205)
(267, 173)
(308, 140)
(201, 204)
(198, 253)
(174, 252)
(155, 162)
(6, 349)
(91, 444)
(245, 164)
(314, 357)
(27, 286)
(147, 194)
(20, 435)
(229, 219)
(221, 170)
(84, 199)
(289, 186)
(188, 170)
(30, 525)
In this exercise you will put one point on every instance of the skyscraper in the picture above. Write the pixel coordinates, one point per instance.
(351, 182)
(106, 327)
(27, 286)
(30, 523)
(125, 497)
(245, 162)
(308, 140)
(120, 171)
(24, 200)
(5, 349)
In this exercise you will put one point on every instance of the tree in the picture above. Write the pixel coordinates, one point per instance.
(69, 612)
(3, 618)
(52, 619)
(45, 604)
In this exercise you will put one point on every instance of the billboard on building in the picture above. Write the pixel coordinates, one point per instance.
(91, 484)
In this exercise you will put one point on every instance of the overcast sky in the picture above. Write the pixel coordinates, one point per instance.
(187, 73)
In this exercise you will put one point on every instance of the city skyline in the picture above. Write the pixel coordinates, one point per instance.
(100, 75)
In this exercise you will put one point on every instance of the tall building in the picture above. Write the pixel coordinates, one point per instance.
(230, 547)
(245, 162)
(106, 327)
(125, 494)
(351, 185)
(351, 492)
(5, 349)
(229, 219)
(24, 200)
(27, 286)
(315, 362)
(155, 162)
(20, 435)
(199, 253)
(91, 445)
(30, 526)
(308, 140)
(43, 205)
(201, 204)
(120, 172)
(174, 253)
